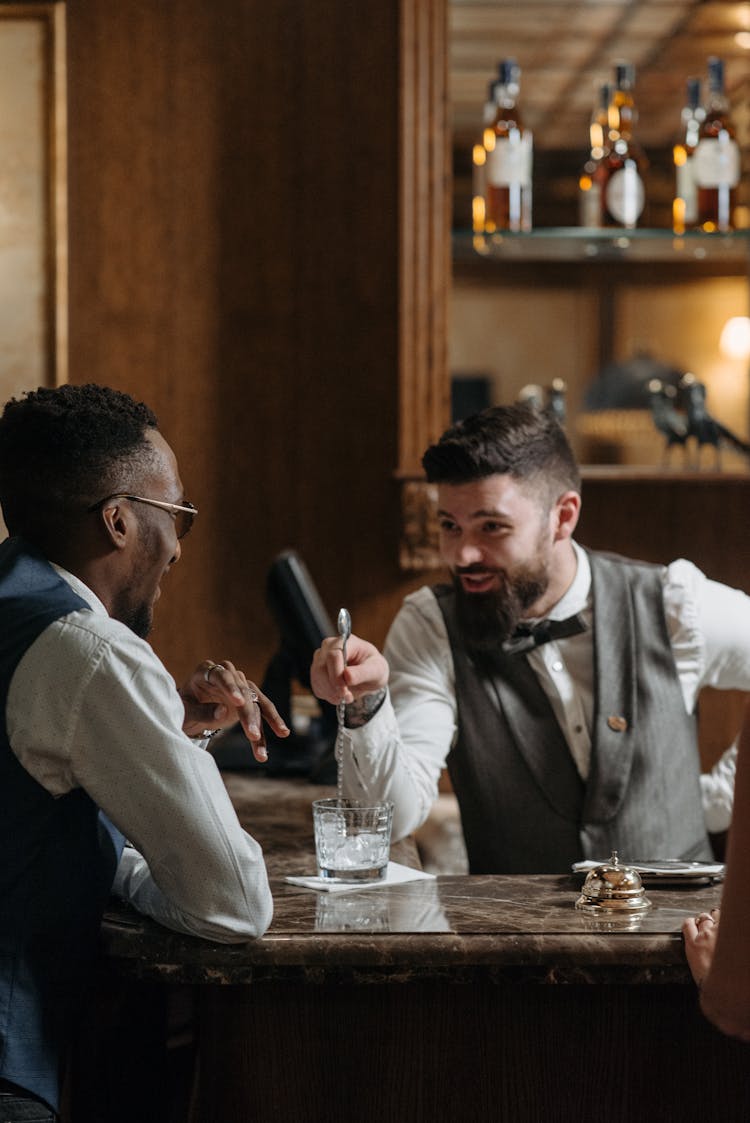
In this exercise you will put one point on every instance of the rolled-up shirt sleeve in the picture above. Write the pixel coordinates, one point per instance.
(400, 753)
(91, 706)
(709, 628)
(717, 791)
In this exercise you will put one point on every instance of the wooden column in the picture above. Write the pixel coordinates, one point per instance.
(425, 231)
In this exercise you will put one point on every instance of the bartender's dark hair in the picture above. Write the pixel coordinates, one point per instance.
(62, 449)
(522, 441)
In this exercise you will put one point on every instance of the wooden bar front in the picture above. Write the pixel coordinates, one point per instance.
(459, 997)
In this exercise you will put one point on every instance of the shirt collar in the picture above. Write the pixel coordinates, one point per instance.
(83, 591)
(578, 595)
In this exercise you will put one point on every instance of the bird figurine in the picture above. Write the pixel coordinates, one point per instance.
(702, 427)
(531, 395)
(551, 401)
(666, 417)
(556, 400)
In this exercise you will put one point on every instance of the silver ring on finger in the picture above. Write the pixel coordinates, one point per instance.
(207, 672)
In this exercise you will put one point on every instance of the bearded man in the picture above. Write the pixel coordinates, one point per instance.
(558, 685)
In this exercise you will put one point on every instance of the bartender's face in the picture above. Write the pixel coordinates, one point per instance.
(494, 530)
(496, 537)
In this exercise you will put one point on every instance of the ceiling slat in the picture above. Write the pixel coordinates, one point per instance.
(567, 48)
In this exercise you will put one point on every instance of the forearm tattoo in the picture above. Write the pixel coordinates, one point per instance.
(359, 713)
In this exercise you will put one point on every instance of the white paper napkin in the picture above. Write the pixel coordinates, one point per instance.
(396, 874)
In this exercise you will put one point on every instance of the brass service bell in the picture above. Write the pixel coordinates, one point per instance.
(613, 890)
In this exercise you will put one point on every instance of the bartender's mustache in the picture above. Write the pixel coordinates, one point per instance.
(477, 567)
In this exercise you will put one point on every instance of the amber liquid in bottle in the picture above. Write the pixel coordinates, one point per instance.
(593, 175)
(716, 160)
(685, 203)
(479, 163)
(625, 162)
(509, 159)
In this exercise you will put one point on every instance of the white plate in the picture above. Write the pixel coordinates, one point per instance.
(670, 869)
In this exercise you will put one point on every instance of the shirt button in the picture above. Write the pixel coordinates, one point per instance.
(557, 665)
(579, 729)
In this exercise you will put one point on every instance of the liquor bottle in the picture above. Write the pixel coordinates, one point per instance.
(685, 203)
(716, 160)
(509, 160)
(479, 162)
(625, 162)
(593, 174)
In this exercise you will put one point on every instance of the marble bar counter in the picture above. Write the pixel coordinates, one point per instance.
(438, 999)
(501, 927)
(519, 927)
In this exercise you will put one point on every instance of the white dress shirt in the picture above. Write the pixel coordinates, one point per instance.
(91, 706)
(400, 753)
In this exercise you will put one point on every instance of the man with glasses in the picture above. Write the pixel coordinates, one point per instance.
(96, 743)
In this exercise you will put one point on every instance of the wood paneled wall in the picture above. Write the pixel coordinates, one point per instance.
(238, 225)
(235, 209)
(660, 517)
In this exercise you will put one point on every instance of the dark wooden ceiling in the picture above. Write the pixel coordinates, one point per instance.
(567, 48)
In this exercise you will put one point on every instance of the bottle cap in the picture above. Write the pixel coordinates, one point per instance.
(510, 72)
(693, 92)
(716, 74)
(624, 75)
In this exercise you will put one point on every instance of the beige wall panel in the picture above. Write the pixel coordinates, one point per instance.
(524, 335)
(680, 324)
(24, 279)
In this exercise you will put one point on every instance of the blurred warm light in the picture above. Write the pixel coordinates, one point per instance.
(679, 155)
(678, 215)
(741, 217)
(477, 213)
(479, 155)
(742, 39)
(488, 139)
(735, 338)
(585, 183)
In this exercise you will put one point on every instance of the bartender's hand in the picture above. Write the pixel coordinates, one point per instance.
(217, 695)
(366, 671)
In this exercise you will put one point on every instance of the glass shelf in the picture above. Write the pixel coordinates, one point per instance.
(581, 245)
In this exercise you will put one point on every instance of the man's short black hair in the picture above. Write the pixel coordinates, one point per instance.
(522, 441)
(62, 449)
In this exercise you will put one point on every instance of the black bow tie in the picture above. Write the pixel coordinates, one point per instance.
(528, 636)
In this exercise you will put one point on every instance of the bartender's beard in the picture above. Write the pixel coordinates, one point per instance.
(485, 620)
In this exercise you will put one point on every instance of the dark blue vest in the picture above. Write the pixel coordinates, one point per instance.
(57, 858)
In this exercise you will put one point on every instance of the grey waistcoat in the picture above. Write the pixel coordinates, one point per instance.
(524, 807)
